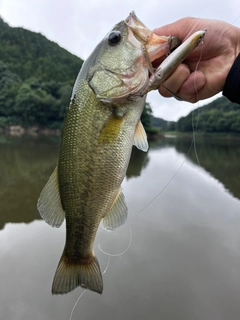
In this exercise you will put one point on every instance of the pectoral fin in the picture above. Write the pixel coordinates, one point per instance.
(49, 203)
(140, 137)
(117, 214)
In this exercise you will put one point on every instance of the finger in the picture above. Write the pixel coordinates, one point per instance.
(175, 81)
(191, 88)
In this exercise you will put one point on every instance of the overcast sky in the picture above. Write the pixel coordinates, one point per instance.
(78, 25)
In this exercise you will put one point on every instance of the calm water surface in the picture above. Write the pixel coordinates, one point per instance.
(184, 259)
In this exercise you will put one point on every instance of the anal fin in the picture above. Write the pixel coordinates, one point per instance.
(117, 214)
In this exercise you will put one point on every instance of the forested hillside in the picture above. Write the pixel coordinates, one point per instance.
(219, 116)
(36, 78)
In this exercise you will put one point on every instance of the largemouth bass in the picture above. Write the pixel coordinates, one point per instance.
(101, 124)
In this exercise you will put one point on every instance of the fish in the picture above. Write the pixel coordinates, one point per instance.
(101, 124)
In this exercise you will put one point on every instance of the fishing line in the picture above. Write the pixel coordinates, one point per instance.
(165, 187)
(74, 307)
(121, 253)
(236, 19)
(193, 142)
(76, 304)
(105, 270)
(194, 128)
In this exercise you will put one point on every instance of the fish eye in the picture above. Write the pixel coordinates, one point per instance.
(114, 38)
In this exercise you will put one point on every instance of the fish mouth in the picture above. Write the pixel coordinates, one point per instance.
(154, 46)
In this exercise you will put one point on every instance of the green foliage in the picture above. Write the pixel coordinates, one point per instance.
(9, 85)
(146, 119)
(220, 116)
(162, 124)
(32, 101)
(146, 116)
(33, 104)
(36, 78)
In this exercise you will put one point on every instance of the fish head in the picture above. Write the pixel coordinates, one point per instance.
(119, 66)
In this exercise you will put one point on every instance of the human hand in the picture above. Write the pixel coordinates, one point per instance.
(205, 70)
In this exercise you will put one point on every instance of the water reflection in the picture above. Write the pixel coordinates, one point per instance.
(139, 160)
(184, 260)
(25, 164)
(220, 157)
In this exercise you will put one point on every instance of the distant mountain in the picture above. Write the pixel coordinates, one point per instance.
(29, 54)
(162, 124)
(220, 116)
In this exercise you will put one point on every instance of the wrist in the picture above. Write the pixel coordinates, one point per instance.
(231, 88)
(237, 50)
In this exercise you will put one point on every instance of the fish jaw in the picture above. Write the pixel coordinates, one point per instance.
(156, 46)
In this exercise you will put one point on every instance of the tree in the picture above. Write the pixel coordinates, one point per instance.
(34, 105)
(146, 119)
(9, 85)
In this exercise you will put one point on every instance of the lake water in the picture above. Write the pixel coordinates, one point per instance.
(184, 217)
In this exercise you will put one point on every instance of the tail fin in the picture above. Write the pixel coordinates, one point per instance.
(68, 276)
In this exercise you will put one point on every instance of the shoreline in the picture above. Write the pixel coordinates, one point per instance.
(18, 130)
(199, 135)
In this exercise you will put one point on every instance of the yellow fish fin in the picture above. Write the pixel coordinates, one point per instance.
(69, 275)
(140, 137)
(117, 214)
(49, 203)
